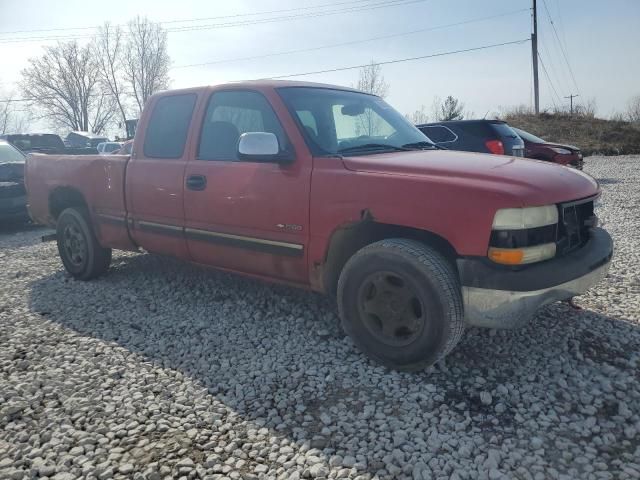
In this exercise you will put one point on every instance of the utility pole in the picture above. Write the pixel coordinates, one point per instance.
(534, 57)
(571, 97)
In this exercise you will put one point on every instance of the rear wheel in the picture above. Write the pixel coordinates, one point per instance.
(81, 254)
(401, 303)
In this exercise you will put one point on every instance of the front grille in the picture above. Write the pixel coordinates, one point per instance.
(576, 218)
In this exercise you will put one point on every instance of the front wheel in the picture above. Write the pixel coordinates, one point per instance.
(401, 303)
(82, 256)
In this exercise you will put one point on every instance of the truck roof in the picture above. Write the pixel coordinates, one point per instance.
(86, 134)
(267, 83)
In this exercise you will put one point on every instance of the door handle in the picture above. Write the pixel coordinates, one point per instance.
(196, 182)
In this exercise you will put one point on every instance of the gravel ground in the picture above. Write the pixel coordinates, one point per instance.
(164, 370)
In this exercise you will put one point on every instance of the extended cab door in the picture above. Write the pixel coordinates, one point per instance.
(155, 176)
(248, 216)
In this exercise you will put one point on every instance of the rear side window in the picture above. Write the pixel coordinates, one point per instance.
(439, 134)
(168, 127)
(480, 129)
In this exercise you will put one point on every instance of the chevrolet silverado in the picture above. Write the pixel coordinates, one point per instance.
(331, 189)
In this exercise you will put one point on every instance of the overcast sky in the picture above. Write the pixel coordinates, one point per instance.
(601, 41)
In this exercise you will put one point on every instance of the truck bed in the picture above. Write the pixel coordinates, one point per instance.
(54, 180)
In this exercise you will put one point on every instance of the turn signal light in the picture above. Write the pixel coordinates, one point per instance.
(495, 146)
(506, 256)
(522, 256)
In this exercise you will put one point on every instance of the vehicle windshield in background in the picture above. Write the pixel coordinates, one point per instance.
(9, 154)
(112, 147)
(37, 142)
(527, 136)
(337, 122)
(504, 130)
(11, 163)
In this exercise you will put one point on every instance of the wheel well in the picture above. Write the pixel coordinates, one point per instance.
(65, 197)
(348, 240)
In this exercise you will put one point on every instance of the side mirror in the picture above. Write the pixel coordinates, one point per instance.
(261, 146)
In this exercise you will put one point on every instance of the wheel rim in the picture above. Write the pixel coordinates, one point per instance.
(391, 309)
(75, 245)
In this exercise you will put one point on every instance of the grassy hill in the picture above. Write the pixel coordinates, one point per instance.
(593, 135)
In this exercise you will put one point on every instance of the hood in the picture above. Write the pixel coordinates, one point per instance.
(527, 182)
(560, 145)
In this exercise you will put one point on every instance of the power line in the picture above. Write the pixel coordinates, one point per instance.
(352, 9)
(351, 67)
(269, 12)
(560, 80)
(564, 53)
(354, 42)
(372, 6)
(546, 74)
(571, 97)
(563, 76)
(388, 62)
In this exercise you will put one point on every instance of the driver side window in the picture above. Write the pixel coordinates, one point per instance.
(229, 115)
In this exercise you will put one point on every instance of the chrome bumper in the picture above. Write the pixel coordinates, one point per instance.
(507, 309)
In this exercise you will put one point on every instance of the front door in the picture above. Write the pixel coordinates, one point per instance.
(155, 177)
(248, 216)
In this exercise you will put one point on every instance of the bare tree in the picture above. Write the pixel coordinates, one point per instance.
(109, 47)
(586, 109)
(64, 85)
(146, 63)
(419, 116)
(372, 81)
(11, 119)
(633, 109)
(450, 109)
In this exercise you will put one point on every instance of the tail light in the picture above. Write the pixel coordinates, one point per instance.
(495, 146)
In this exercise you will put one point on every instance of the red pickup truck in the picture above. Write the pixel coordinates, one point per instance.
(331, 189)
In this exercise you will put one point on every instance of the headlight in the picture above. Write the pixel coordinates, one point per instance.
(562, 151)
(523, 235)
(522, 218)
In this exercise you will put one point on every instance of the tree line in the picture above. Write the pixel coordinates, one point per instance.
(103, 83)
(95, 86)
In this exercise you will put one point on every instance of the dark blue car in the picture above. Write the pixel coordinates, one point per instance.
(13, 196)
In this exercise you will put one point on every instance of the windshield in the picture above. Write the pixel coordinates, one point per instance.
(527, 136)
(34, 142)
(337, 122)
(9, 154)
(94, 142)
(111, 147)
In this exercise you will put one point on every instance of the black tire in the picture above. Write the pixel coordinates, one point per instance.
(82, 256)
(403, 331)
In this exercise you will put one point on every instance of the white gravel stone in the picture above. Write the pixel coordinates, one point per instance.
(167, 370)
(485, 398)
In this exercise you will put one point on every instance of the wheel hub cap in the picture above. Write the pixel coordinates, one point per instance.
(74, 244)
(391, 309)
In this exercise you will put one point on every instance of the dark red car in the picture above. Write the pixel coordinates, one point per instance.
(539, 149)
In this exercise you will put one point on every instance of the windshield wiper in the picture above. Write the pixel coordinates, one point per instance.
(373, 146)
(422, 145)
